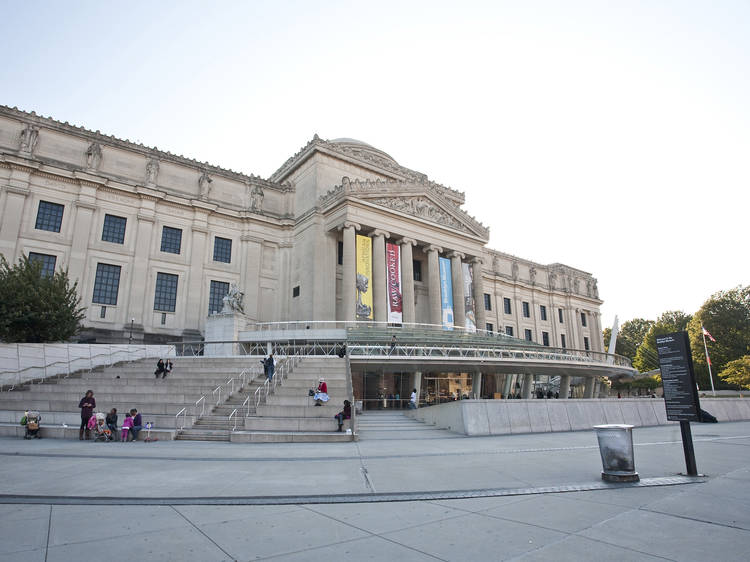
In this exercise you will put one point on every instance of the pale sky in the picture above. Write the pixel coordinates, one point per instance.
(610, 136)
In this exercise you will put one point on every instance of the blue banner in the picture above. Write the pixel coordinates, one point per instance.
(446, 293)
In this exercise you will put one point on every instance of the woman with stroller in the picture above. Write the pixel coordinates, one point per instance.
(87, 405)
(321, 394)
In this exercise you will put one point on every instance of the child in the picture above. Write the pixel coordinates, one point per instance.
(127, 423)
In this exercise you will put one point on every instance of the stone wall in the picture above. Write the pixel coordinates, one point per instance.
(503, 417)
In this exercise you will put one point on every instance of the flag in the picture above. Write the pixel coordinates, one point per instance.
(707, 334)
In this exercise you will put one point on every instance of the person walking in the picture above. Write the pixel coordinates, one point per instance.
(270, 366)
(413, 400)
(87, 405)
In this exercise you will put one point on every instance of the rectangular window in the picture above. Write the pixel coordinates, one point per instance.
(106, 284)
(340, 253)
(543, 312)
(114, 229)
(165, 295)
(48, 263)
(506, 305)
(487, 301)
(171, 240)
(586, 343)
(295, 291)
(222, 250)
(562, 341)
(583, 319)
(509, 331)
(417, 270)
(526, 313)
(527, 335)
(545, 338)
(216, 295)
(560, 315)
(49, 216)
(489, 328)
(103, 312)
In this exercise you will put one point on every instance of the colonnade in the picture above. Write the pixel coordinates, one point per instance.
(379, 286)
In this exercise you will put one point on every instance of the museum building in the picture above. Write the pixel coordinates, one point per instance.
(340, 231)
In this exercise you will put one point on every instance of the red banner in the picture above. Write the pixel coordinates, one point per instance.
(393, 279)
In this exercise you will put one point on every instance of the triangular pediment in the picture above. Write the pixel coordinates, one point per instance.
(417, 199)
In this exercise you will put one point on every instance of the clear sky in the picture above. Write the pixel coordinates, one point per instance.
(610, 136)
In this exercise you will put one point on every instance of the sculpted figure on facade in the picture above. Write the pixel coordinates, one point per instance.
(576, 284)
(514, 270)
(204, 183)
(588, 288)
(595, 289)
(152, 170)
(29, 138)
(532, 275)
(93, 156)
(496, 264)
(256, 199)
(552, 276)
(233, 300)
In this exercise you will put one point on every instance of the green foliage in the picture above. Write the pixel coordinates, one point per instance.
(726, 315)
(737, 372)
(37, 308)
(647, 358)
(629, 337)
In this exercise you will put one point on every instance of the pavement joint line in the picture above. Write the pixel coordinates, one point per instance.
(696, 519)
(49, 528)
(378, 497)
(212, 541)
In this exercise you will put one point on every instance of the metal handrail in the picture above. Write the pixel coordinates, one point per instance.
(234, 413)
(247, 403)
(214, 391)
(177, 416)
(203, 406)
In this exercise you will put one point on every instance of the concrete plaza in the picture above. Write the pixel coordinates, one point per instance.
(71, 500)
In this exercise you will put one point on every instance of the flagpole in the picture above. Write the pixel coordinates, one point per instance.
(708, 360)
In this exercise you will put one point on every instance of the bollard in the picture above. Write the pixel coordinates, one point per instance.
(616, 448)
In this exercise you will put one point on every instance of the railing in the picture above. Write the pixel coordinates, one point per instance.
(202, 402)
(233, 414)
(282, 370)
(352, 403)
(182, 413)
(34, 363)
(214, 391)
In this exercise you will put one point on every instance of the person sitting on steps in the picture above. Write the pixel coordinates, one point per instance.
(321, 395)
(345, 414)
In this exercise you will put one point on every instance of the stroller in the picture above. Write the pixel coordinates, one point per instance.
(31, 421)
(101, 431)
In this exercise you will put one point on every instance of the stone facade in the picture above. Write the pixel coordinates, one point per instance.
(287, 242)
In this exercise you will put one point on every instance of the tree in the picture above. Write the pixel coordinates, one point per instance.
(726, 315)
(647, 358)
(629, 337)
(35, 307)
(737, 372)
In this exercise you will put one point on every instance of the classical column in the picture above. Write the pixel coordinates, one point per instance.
(379, 300)
(564, 386)
(139, 303)
(528, 381)
(81, 233)
(433, 283)
(506, 386)
(10, 222)
(195, 279)
(478, 288)
(457, 277)
(407, 280)
(476, 385)
(588, 389)
(349, 293)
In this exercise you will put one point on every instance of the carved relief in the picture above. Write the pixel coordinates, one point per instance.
(496, 264)
(576, 283)
(256, 199)
(93, 156)
(552, 276)
(204, 183)
(29, 139)
(588, 288)
(514, 270)
(152, 171)
(420, 207)
(532, 275)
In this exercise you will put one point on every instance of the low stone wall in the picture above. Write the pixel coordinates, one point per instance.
(503, 417)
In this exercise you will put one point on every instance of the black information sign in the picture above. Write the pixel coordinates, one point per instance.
(678, 378)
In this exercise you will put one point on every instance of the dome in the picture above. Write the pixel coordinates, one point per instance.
(360, 145)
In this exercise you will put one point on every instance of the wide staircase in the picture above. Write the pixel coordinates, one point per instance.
(394, 425)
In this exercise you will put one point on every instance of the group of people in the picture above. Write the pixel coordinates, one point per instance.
(163, 368)
(104, 427)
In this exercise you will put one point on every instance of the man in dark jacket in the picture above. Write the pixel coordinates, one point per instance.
(137, 424)
(87, 405)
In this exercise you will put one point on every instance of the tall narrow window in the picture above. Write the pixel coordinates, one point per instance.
(489, 328)
(216, 294)
(223, 250)
(106, 284)
(509, 331)
(49, 216)
(487, 301)
(562, 341)
(526, 313)
(527, 335)
(171, 240)
(165, 295)
(583, 319)
(543, 312)
(340, 253)
(545, 338)
(586, 343)
(506, 305)
(48, 263)
(114, 229)
(417, 270)
(560, 315)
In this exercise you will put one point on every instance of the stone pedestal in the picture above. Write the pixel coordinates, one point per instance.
(223, 327)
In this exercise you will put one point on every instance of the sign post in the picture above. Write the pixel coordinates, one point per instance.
(680, 390)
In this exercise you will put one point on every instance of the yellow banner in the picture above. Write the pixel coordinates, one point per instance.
(364, 278)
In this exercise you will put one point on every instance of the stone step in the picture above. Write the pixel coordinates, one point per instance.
(294, 400)
(288, 437)
(298, 411)
(328, 424)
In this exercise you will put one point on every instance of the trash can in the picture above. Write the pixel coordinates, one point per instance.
(616, 448)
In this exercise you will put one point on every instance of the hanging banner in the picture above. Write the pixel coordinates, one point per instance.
(446, 293)
(364, 275)
(393, 283)
(471, 318)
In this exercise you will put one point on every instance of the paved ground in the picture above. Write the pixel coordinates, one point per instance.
(709, 520)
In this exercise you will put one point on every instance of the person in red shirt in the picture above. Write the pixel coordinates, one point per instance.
(322, 393)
